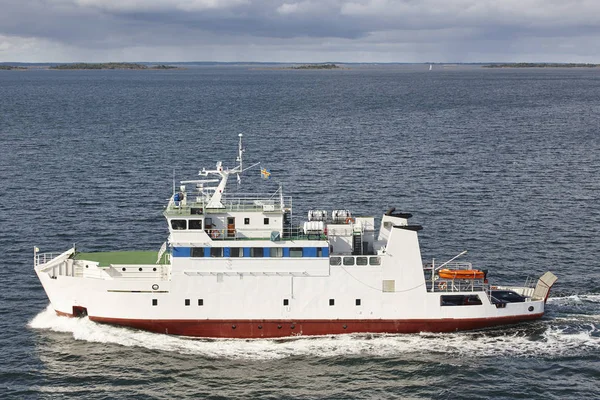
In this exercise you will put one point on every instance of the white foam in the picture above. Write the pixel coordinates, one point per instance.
(554, 341)
(576, 298)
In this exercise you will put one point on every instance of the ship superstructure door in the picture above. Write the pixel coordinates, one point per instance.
(230, 226)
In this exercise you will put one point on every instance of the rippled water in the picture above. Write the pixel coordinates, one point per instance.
(503, 163)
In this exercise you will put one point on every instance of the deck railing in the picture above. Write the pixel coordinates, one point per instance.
(295, 233)
(239, 202)
(43, 258)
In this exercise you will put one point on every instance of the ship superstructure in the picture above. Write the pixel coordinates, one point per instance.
(238, 266)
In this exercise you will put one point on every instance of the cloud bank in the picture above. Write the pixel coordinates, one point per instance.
(300, 31)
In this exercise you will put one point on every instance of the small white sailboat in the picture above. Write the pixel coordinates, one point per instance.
(430, 67)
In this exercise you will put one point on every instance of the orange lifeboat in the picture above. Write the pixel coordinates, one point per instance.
(461, 274)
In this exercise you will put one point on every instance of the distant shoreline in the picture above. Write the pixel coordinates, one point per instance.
(542, 65)
(328, 66)
(92, 66)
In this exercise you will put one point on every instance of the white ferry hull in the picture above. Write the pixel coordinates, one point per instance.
(103, 302)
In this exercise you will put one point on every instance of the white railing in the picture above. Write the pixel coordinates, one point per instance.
(43, 258)
(255, 202)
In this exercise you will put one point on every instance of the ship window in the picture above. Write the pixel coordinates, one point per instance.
(236, 252)
(331, 302)
(200, 302)
(460, 300)
(286, 302)
(179, 224)
(154, 302)
(197, 252)
(187, 302)
(361, 260)
(266, 221)
(216, 252)
(246, 221)
(257, 252)
(195, 224)
(335, 261)
(295, 251)
(276, 252)
(358, 302)
(374, 260)
(348, 260)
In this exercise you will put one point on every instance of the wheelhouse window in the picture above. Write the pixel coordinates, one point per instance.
(295, 251)
(216, 252)
(257, 252)
(197, 252)
(195, 224)
(236, 252)
(179, 224)
(335, 261)
(348, 261)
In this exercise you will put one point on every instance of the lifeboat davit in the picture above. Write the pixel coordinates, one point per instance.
(461, 274)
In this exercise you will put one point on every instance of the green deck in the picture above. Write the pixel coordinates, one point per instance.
(121, 257)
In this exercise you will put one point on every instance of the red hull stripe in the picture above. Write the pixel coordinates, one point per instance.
(282, 328)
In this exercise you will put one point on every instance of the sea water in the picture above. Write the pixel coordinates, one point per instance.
(502, 163)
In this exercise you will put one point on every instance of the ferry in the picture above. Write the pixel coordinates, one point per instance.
(240, 266)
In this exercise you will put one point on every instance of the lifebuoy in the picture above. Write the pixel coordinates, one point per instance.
(349, 219)
(442, 286)
(214, 234)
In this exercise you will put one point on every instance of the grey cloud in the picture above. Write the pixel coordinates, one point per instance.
(447, 28)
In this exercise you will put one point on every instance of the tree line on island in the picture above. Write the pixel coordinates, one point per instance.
(542, 65)
(111, 65)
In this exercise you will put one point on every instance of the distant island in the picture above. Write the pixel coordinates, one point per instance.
(111, 65)
(11, 67)
(303, 67)
(542, 65)
(317, 66)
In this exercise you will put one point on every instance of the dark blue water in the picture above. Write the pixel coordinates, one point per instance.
(503, 163)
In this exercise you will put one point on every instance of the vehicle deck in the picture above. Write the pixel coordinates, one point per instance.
(132, 257)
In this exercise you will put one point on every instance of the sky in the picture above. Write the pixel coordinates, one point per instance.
(300, 31)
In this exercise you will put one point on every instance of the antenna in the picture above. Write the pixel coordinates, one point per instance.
(240, 157)
(173, 180)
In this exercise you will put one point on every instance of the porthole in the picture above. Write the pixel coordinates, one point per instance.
(278, 326)
(345, 326)
(124, 269)
(530, 308)
(293, 326)
(154, 269)
(155, 287)
(233, 326)
(260, 327)
(140, 269)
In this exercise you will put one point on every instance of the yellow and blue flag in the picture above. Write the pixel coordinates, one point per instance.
(265, 173)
